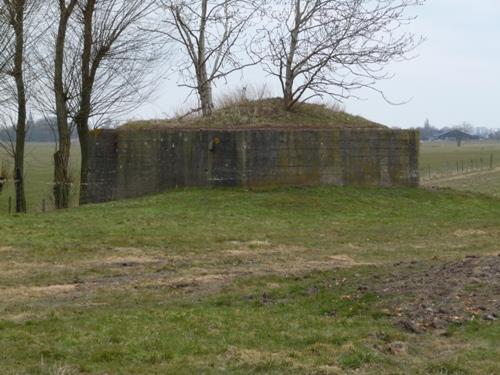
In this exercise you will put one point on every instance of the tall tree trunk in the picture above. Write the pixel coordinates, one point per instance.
(288, 93)
(62, 182)
(83, 135)
(205, 92)
(289, 74)
(19, 168)
(88, 76)
(21, 106)
(204, 84)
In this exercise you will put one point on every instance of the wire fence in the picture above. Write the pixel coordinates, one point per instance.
(39, 197)
(456, 168)
(38, 179)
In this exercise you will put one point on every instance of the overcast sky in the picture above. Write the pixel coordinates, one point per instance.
(455, 77)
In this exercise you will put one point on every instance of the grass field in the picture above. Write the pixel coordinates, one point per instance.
(439, 156)
(300, 281)
(231, 281)
(38, 176)
(485, 183)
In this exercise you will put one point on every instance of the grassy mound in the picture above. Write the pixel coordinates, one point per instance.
(263, 113)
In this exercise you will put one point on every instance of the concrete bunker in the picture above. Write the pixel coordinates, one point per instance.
(126, 163)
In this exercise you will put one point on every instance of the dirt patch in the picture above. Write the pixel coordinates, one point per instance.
(296, 257)
(469, 233)
(256, 359)
(19, 318)
(129, 251)
(133, 270)
(38, 291)
(427, 297)
(126, 261)
(253, 243)
(16, 270)
(345, 261)
(208, 275)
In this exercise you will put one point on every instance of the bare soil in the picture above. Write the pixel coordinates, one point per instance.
(426, 297)
(132, 269)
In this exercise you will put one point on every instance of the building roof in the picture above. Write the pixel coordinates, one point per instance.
(457, 134)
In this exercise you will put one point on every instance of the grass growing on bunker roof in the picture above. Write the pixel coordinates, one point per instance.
(262, 113)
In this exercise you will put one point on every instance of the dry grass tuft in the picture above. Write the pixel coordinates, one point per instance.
(59, 369)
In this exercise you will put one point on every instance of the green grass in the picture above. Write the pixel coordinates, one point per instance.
(441, 155)
(441, 158)
(229, 281)
(486, 183)
(38, 175)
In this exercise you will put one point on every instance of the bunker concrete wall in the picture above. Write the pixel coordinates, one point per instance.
(132, 163)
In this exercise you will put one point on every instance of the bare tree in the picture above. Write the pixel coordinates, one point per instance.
(15, 24)
(117, 57)
(333, 47)
(62, 92)
(464, 127)
(213, 41)
(99, 64)
(57, 61)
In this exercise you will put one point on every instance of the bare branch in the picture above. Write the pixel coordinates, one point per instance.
(335, 47)
(213, 37)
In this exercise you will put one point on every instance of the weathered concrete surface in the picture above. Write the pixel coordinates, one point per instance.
(132, 163)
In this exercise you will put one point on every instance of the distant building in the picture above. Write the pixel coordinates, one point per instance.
(495, 136)
(458, 136)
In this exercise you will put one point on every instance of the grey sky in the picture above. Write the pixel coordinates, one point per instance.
(455, 77)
